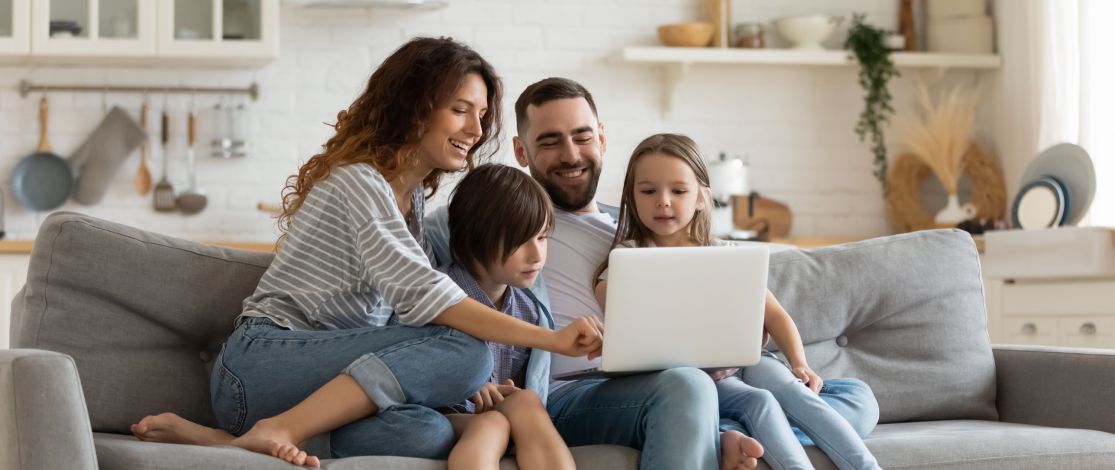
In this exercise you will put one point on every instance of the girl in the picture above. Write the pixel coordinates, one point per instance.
(664, 203)
(312, 351)
(499, 219)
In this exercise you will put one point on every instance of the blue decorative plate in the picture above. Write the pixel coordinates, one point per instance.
(1041, 203)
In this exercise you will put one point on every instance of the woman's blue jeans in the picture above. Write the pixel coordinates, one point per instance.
(264, 370)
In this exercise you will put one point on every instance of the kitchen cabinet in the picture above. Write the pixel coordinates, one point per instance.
(238, 33)
(13, 274)
(15, 21)
(100, 28)
(218, 29)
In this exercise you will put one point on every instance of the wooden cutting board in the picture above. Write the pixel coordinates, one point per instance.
(753, 212)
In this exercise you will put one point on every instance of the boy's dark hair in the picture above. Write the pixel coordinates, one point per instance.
(546, 90)
(494, 210)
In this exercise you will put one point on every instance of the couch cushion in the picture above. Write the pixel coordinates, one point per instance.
(143, 315)
(990, 445)
(125, 452)
(904, 313)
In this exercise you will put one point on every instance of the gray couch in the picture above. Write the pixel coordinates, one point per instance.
(116, 323)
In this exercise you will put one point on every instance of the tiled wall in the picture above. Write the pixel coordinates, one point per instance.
(794, 123)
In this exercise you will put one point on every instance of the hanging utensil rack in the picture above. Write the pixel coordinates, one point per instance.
(26, 87)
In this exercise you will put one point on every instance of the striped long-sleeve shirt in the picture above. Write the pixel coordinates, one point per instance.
(350, 260)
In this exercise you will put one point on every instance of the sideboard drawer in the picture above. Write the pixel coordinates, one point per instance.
(1087, 332)
(1022, 330)
(1068, 297)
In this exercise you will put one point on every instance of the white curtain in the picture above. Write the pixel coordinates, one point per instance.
(1097, 102)
(1055, 87)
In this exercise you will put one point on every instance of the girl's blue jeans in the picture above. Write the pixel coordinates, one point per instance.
(770, 399)
(264, 370)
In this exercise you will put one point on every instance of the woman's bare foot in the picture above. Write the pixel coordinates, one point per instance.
(739, 452)
(174, 429)
(268, 438)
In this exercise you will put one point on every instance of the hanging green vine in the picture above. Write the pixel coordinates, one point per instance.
(876, 69)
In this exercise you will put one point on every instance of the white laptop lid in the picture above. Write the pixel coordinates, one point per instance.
(692, 306)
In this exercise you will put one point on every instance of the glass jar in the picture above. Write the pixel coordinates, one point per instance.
(749, 36)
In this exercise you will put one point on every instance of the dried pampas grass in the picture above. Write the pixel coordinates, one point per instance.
(942, 133)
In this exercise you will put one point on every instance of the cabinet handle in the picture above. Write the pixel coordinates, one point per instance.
(1088, 328)
(1029, 329)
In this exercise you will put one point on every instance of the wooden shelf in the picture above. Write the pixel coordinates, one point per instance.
(678, 60)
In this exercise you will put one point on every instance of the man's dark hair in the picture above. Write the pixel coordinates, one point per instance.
(546, 90)
(494, 210)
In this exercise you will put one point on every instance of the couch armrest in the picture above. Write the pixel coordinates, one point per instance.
(43, 420)
(1061, 387)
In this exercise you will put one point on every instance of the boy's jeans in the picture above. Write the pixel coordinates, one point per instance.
(670, 415)
(264, 370)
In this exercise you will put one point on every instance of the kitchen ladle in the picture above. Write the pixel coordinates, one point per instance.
(192, 200)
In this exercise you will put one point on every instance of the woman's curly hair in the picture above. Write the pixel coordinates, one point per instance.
(384, 125)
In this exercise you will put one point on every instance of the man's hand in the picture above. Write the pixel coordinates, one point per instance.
(809, 378)
(583, 337)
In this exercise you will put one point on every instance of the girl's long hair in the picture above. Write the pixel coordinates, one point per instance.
(630, 227)
(383, 127)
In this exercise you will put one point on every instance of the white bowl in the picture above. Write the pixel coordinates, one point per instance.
(807, 32)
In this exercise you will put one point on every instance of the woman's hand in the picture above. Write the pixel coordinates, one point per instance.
(583, 337)
(808, 377)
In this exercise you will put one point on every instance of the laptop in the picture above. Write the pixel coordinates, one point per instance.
(671, 307)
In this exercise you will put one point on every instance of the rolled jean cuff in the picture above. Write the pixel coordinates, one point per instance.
(378, 382)
(731, 425)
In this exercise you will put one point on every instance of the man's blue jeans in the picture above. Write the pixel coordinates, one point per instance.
(264, 370)
(671, 416)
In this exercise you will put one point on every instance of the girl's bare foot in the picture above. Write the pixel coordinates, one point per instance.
(739, 452)
(174, 429)
(268, 438)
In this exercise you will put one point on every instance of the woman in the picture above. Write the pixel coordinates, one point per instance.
(312, 351)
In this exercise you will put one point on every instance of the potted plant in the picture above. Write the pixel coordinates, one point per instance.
(868, 44)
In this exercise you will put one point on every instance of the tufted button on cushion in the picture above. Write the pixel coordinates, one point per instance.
(841, 340)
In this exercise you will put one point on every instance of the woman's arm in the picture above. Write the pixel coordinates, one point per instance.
(785, 334)
(584, 336)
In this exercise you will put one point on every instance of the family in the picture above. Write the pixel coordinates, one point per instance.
(400, 333)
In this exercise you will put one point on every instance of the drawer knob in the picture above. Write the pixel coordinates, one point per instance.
(1088, 328)
(1029, 329)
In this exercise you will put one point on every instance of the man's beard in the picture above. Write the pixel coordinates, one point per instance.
(569, 200)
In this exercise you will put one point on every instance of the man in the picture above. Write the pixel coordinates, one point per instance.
(562, 142)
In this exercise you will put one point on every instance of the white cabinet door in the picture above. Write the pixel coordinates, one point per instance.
(15, 22)
(93, 28)
(13, 274)
(222, 29)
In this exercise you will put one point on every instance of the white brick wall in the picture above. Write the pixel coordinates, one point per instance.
(795, 124)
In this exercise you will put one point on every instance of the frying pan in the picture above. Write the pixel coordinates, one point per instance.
(42, 181)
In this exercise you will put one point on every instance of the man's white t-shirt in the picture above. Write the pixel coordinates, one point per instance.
(576, 248)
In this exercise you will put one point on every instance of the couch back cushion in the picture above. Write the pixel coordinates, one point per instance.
(904, 313)
(143, 315)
